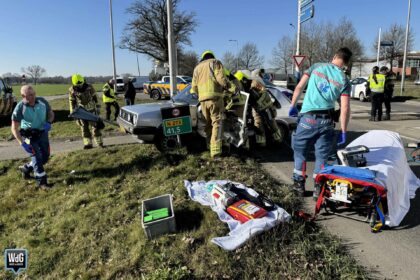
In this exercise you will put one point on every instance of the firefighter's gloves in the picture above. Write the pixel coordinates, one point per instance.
(27, 148)
(341, 139)
(47, 126)
(293, 111)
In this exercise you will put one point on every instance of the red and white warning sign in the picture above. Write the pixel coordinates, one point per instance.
(299, 59)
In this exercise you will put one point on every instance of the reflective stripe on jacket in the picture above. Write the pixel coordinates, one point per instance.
(377, 87)
(209, 80)
(110, 90)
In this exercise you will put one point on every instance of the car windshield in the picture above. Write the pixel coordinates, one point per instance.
(187, 79)
(120, 81)
(185, 96)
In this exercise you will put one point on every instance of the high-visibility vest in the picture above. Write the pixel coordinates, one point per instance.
(377, 87)
(107, 99)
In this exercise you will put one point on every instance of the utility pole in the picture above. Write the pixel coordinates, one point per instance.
(237, 53)
(113, 47)
(298, 42)
(173, 65)
(407, 28)
(293, 64)
(379, 47)
(138, 65)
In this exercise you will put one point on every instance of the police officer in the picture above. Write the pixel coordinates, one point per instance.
(376, 84)
(388, 91)
(31, 121)
(209, 82)
(82, 94)
(110, 100)
(263, 110)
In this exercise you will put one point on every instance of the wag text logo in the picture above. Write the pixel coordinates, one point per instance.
(16, 260)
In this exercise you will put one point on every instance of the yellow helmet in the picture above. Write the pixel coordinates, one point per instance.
(240, 75)
(77, 80)
(207, 52)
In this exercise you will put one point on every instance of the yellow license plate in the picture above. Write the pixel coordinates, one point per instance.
(172, 123)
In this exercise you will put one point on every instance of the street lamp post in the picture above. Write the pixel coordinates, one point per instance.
(293, 68)
(237, 53)
(138, 65)
(112, 44)
(405, 47)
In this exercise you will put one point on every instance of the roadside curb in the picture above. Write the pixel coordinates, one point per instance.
(404, 116)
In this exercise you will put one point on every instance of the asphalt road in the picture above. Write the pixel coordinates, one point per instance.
(390, 254)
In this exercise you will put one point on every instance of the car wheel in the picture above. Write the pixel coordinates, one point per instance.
(166, 143)
(155, 94)
(362, 97)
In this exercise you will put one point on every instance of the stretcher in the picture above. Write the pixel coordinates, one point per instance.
(345, 188)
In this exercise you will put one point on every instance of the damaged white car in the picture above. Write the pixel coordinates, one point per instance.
(179, 122)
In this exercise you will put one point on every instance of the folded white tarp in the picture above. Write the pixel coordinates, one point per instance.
(387, 157)
(239, 233)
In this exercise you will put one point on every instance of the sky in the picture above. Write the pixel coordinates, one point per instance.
(67, 37)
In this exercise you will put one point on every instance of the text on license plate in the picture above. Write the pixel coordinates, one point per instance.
(172, 123)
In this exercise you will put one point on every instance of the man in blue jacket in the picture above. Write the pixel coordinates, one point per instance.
(327, 83)
(31, 121)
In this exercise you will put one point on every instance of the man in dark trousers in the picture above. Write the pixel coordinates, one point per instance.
(31, 121)
(110, 100)
(327, 83)
(388, 91)
(130, 93)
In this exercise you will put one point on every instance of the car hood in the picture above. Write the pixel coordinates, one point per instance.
(148, 107)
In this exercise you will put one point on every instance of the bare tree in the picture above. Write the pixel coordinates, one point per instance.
(147, 33)
(187, 62)
(249, 57)
(321, 41)
(396, 35)
(230, 61)
(283, 54)
(34, 71)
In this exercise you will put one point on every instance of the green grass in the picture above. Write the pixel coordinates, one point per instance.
(63, 127)
(409, 90)
(88, 226)
(50, 89)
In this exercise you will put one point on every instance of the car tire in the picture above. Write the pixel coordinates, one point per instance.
(362, 97)
(166, 143)
(155, 94)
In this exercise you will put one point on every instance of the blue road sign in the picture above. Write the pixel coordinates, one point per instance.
(387, 43)
(307, 13)
(303, 3)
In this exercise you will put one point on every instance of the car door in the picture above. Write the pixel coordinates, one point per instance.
(236, 131)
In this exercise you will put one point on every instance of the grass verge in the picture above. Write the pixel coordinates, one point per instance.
(88, 227)
(50, 89)
(64, 127)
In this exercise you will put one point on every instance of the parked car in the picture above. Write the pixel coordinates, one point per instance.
(120, 84)
(358, 89)
(145, 121)
(161, 89)
(417, 82)
(138, 81)
(7, 99)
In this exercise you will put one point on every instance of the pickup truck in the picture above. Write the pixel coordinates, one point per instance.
(161, 89)
(7, 99)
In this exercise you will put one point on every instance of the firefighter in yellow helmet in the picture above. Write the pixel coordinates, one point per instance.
(110, 100)
(82, 94)
(209, 82)
(263, 109)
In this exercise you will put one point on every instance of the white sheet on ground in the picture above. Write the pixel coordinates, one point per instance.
(239, 233)
(387, 157)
